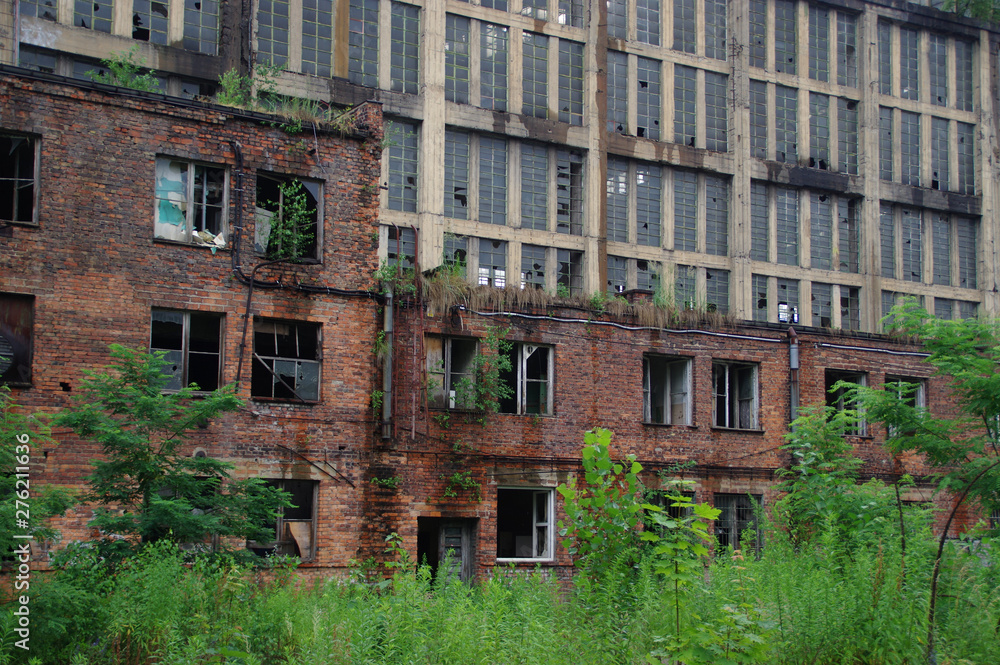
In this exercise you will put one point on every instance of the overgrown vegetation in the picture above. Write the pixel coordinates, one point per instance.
(126, 69)
(291, 223)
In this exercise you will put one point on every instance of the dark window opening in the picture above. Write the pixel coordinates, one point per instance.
(17, 179)
(191, 345)
(524, 524)
(286, 360)
(16, 338)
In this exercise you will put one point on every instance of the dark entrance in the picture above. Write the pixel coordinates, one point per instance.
(442, 540)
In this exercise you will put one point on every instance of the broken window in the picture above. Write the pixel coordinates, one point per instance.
(966, 158)
(786, 104)
(685, 285)
(37, 60)
(191, 345)
(94, 15)
(685, 105)
(966, 232)
(887, 232)
(535, 77)
(716, 116)
(617, 82)
(941, 249)
(684, 25)
(617, 201)
(912, 244)
(492, 263)
(17, 315)
(885, 57)
(532, 267)
(538, 9)
(525, 524)
(272, 32)
(758, 119)
(569, 278)
(617, 19)
(759, 297)
(529, 380)
(191, 202)
(569, 192)
(967, 309)
(362, 66)
(758, 33)
(819, 43)
(734, 390)
(401, 246)
(295, 530)
(685, 211)
(648, 99)
(456, 59)
(492, 180)
(837, 398)
(617, 274)
(493, 67)
(787, 225)
(44, 9)
(911, 391)
(647, 275)
(534, 186)
(759, 222)
(788, 300)
(909, 140)
(939, 153)
(288, 215)
(404, 69)
(736, 518)
(287, 359)
(717, 290)
(456, 251)
(18, 179)
(909, 64)
(937, 57)
(716, 216)
(649, 193)
(402, 159)
(451, 378)
(885, 143)
(822, 305)
(784, 36)
(944, 308)
(647, 21)
(849, 235)
(821, 232)
(571, 13)
(201, 26)
(149, 21)
(666, 386)
(715, 29)
(963, 75)
(847, 52)
(819, 131)
(847, 135)
(456, 174)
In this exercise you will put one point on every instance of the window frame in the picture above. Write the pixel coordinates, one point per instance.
(667, 389)
(548, 553)
(308, 187)
(16, 179)
(732, 401)
(442, 392)
(281, 521)
(520, 381)
(258, 360)
(185, 350)
(189, 205)
(752, 502)
(837, 400)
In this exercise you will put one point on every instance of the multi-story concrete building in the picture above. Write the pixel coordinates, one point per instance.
(782, 162)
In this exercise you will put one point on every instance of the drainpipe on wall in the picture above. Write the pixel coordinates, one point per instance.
(793, 374)
(387, 371)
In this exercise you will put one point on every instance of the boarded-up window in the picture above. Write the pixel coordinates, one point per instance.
(16, 337)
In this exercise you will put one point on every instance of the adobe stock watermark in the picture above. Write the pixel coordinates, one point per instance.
(22, 550)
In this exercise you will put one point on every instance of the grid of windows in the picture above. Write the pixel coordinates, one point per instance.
(402, 193)
(492, 263)
(456, 174)
(44, 9)
(758, 33)
(819, 43)
(847, 135)
(571, 82)
(492, 180)
(716, 118)
(717, 290)
(685, 105)
(786, 104)
(493, 75)
(885, 143)
(784, 36)
(939, 153)
(201, 26)
(647, 21)
(317, 38)
(937, 59)
(404, 69)
(618, 92)
(648, 99)
(456, 59)
(272, 31)
(648, 190)
(715, 29)
(617, 19)
(966, 158)
(909, 153)
(534, 187)
(909, 64)
(534, 82)
(571, 13)
(362, 42)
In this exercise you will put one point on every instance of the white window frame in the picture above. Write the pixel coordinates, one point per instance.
(539, 494)
(520, 353)
(667, 390)
(185, 203)
(441, 370)
(726, 421)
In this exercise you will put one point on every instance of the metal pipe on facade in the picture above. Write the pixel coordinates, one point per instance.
(793, 371)
(387, 370)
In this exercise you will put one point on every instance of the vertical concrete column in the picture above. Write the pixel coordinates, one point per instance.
(741, 291)
(989, 257)
(595, 119)
(431, 152)
(868, 169)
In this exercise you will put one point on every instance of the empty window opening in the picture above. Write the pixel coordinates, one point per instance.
(451, 379)
(822, 305)
(529, 380)
(447, 545)
(838, 399)
(569, 192)
(190, 202)
(788, 300)
(734, 388)
(191, 346)
(524, 524)
(295, 528)
(532, 267)
(18, 178)
(16, 338)
(287, 217)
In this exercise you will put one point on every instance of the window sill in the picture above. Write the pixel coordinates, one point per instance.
(506, 560)
(27, 225)
(652, 424)
(200, 245)
(21, 386)
(716, 428)
(284, 400)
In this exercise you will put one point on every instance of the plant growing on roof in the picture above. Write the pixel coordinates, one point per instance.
(125, 70)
